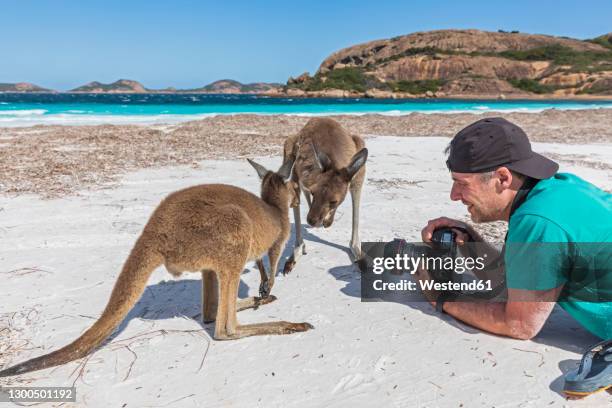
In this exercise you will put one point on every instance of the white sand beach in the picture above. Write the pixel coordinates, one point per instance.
(59, 259)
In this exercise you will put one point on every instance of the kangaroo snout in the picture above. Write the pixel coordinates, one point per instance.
(312, 221)
(318, 220)
(329, 219)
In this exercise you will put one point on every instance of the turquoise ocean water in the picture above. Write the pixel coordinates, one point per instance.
(31, 109)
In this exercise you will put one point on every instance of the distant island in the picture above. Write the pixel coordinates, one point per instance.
(23, 87)
(224, 86)
(128, 86)
(434, 64)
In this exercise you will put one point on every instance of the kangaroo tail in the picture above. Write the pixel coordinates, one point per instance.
(130, 285)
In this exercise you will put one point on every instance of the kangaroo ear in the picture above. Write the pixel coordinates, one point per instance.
(357, 162)
(285, 169)
(322, 160)
(261, 170)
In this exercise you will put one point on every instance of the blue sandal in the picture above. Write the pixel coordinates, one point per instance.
(594, 373)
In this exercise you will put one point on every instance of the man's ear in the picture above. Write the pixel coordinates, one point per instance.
(504, 175)
(357, 162)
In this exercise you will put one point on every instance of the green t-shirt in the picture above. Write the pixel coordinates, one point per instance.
(562, 235)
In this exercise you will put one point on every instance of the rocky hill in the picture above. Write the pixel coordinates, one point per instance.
(120, 86)
(464, 63)
(229, 86)
(23, 87)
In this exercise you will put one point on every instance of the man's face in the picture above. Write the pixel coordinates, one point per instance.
(479, 194)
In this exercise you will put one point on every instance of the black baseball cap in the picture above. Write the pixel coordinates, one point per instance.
(490, 143)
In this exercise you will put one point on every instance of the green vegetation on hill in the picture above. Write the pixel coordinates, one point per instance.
(561, 55)
(604, 40)
(348, 79)
(354, 79)
(417, 87)
(417, 51)
(531, 85)
(556, 53)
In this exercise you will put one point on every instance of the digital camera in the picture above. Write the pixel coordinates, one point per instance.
(432, 256)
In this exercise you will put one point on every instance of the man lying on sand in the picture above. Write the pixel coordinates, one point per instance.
(498, 177)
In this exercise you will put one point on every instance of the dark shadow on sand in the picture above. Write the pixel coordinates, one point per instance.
(170, 299)
(565, 366)
(307, 235)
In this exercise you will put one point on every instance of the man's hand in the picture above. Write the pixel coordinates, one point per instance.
(462, 237)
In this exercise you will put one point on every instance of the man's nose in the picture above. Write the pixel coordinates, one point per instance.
(454, 195)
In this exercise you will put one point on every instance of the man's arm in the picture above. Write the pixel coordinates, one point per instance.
(521, 317)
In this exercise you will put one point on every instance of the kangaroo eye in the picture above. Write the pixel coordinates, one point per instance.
(333, 203)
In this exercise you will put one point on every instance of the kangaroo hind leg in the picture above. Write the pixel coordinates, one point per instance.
(299, 247)
(210, 296)
(233, 330)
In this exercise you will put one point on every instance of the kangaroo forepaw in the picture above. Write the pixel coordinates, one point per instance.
(264, 289)
(298, 251)
(299, 327)
(259, 301)
(289, 265)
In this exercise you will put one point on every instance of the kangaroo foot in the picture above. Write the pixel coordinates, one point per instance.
(259, 329)
(298, 251)
(355, 251)
(209, 315)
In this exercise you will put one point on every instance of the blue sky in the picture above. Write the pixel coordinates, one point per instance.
(63, 44)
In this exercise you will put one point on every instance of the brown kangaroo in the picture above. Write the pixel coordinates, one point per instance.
(213, 229)
(328, 163)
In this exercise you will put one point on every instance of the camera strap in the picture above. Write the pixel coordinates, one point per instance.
(521, 196)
